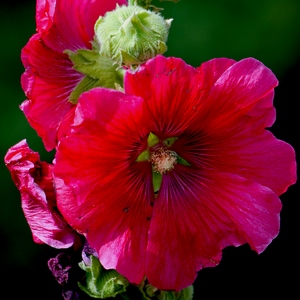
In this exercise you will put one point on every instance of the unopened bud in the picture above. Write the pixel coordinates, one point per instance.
(130, 35)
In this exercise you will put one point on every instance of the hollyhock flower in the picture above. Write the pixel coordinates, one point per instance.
(34, 180)
(181, 165)
(49, 78)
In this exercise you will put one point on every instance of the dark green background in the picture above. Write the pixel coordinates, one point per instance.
(268, 30)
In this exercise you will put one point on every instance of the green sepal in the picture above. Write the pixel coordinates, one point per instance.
(86, 84)
(149, 292)
(128, 59)
(185, 294)
(156, 180)
(119, 88)
(99, 71)
(162, 47)
(182, 161)
(170, 141)
(152, 139)
(101, 283)
(144, 156)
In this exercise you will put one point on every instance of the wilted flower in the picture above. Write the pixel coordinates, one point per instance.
(178, 167)
(50, 78)
(65, 269)
(34, 180)
(60, 267)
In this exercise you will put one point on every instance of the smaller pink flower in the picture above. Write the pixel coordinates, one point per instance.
(49, 76)
(34, 180)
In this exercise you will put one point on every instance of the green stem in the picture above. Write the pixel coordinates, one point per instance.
(142, 3)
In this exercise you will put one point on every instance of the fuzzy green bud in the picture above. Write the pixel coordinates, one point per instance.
(130, 35)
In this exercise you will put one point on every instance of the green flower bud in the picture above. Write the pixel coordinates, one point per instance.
(101, 283)
(130, 35)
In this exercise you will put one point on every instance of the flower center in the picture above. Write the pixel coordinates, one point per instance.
(163, 160)
(161, 157)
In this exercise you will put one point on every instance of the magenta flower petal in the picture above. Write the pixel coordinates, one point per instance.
(230, 122)
(34, 180)
(243, 108)
(73, 22)
(197, 214)
(238, 90)
(116, 224)
(49, 78)
(44, 14)
(221, 169)
(210, 72)
(49, 90)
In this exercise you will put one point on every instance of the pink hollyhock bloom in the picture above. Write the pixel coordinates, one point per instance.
(49, 77)
(175, 169)
(34, 180)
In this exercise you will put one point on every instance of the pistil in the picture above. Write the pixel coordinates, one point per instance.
(163, 160)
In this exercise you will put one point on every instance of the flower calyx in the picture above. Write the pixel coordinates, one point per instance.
(101, 283)
(130, 35)
(99, 71)
(149, 292)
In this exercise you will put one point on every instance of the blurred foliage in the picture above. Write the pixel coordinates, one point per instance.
(268, 30)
